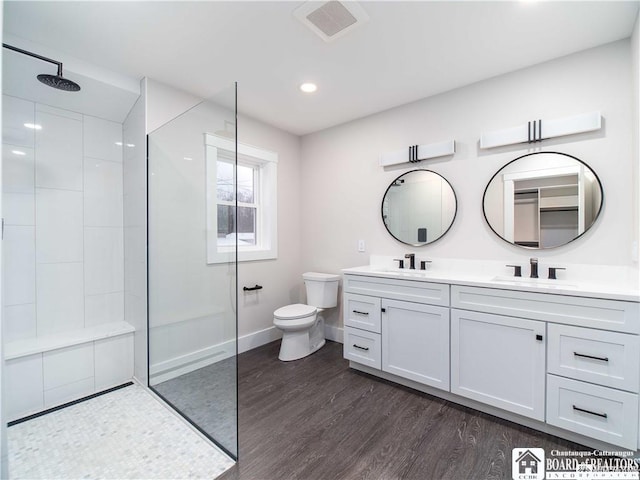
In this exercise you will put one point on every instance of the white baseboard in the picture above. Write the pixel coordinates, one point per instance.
(257, 339)
(176, 366)
(334, 333)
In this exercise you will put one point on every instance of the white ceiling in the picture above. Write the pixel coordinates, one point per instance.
(407, 50)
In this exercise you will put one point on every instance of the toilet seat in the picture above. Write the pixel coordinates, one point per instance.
(295, 318)
(293, 312)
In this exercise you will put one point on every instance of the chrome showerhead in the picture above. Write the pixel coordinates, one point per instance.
(59, 82)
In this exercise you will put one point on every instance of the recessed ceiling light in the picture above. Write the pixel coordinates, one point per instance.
(18, 152)
(119, 144)
(131, 145)
(33, 126)
(308, 87)
(188, 158)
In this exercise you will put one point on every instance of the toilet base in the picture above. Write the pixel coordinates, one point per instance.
(302, 343)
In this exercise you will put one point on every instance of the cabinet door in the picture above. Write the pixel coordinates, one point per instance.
(499, 361)
(415, 342)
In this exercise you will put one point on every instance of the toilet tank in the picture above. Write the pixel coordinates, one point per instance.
(322, 289)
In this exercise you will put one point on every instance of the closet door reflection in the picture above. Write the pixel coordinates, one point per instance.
(192, 302)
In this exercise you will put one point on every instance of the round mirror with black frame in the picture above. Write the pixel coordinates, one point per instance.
(542, 200)
(419, 207)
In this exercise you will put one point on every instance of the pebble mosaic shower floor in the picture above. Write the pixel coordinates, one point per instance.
(125, 434)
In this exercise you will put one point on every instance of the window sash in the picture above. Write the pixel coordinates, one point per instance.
(264, 164)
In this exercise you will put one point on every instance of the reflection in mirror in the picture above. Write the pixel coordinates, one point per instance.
(542, 200)
(418, 207)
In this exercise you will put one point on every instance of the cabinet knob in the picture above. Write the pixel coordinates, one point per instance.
(539, 338)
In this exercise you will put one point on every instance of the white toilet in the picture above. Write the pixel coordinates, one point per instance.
(303, 325)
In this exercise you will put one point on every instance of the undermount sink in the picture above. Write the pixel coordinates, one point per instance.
(532, 282)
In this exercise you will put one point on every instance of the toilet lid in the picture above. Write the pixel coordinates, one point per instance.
(291, 312)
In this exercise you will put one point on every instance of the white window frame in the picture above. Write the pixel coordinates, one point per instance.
(266, 246)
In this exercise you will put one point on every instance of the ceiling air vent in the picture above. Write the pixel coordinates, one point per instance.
(330, 20)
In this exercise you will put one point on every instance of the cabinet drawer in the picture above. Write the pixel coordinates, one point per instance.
(361, 311)
(409, 290)
(581, 311)
(606, 358)
(362, 347)
(598, 412)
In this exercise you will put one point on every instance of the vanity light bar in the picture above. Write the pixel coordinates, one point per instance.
(538, 130)
(417, 153)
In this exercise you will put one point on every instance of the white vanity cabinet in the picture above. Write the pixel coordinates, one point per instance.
(398, 326)
(592, 374)
(565, 364)
(499, 361)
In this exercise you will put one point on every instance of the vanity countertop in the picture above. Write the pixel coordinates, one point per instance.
(623, 289)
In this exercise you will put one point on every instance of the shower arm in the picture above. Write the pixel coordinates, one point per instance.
(34, 55)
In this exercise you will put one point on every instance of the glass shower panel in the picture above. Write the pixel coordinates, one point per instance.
(192, 298)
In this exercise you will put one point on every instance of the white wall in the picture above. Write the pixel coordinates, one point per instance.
(281, 278)
(135, 231)
(343, 184)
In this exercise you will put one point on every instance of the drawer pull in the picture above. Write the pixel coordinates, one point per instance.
(602, 359)
(361, 348)
(603, 415)
(360, 313)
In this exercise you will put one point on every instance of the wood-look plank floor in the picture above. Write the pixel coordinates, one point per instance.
(316, 418)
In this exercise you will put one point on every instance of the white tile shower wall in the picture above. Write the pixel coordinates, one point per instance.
(102, 193)
(102, 139)
(58, 149)
(103, 260)
(48, 379)
(58, 226)
(113, 361)
(60, 305)
(19, 322)
(23, 386)
(18, 169)
(67, 365)
(63, 193)
(15, 113)
(63, 207)
(103, 308)
(19, 265)
(135, 231)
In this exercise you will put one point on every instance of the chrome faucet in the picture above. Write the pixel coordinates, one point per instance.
(412, 260)
(534, 267)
